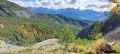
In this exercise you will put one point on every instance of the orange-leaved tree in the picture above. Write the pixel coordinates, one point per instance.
(115, 8)
(1, 25)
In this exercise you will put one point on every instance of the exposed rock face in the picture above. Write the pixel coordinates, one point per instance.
(110, 24)
(114, 35)
(23, 13)
(19, 13)
(108, 28)
(9, 47)
(4, 10)
(111, 28)
(84, 32)
(46, 42)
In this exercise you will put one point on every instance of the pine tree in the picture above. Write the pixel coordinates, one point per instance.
(67, 35)
(95, 30)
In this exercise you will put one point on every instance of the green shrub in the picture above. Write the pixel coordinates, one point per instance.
(81, 41)
(99, 36)
(95, 30)
(65, 44)
(67, 35)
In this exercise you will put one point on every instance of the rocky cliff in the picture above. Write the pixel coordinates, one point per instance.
(109, 28)
(12, 9)
(85, 31)
(110, 24)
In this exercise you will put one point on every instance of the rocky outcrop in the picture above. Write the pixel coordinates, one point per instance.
(23, 13)
(5, 46)
(46, 42)
(114, 35)
(84, 32)
(8, 47)
(20, 13)
(110, 24)
(4, 10)
(109, 28)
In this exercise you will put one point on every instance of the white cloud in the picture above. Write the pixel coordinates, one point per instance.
(62, 4)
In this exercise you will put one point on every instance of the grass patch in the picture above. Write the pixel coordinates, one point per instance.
(26, 51)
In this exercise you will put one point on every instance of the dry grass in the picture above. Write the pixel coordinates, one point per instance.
(55, 48)
(90, 49)
(79, 47)
(97, 44)
(51, 49)
(116, 47)
(53, 43)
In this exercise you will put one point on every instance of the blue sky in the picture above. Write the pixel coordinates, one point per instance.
(63, 4)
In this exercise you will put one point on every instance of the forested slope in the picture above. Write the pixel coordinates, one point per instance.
(24, 27)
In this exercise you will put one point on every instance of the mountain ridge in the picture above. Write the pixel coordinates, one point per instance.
(75, 13)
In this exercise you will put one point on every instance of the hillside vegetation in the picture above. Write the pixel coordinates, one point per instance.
(24, 27)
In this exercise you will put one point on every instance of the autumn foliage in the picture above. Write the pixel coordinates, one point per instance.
(116, 8)
(1, 25)
(114, 1)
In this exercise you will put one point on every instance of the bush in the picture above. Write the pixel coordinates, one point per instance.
(67, 35)
(99, 36)
(65, 44)
(81, 41)
(95, 30)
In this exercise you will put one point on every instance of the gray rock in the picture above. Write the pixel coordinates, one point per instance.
(4, 10)
(46, 42)
(110, 24)
(107, 26)
(23, 13)
(9, 47)
(84, 32)
(114, 35)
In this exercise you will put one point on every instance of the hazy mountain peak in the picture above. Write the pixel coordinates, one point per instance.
(70, 12)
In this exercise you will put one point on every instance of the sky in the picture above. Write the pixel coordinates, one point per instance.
(63, 4)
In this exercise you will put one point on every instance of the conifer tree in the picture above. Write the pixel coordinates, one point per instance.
(95, 30)
(67, 35)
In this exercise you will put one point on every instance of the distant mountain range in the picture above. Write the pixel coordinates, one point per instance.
(83, 14)
(24, 27)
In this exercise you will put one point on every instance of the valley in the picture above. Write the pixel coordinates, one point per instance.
(45, 31)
